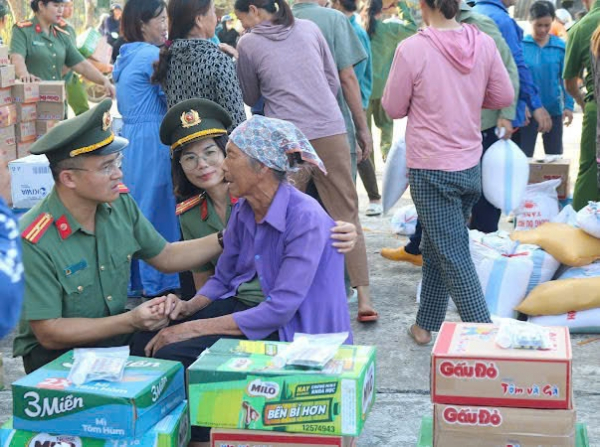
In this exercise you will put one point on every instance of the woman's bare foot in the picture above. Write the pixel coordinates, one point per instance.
(366, 312)
(419, 335)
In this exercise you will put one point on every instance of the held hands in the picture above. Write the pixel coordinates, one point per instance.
(147, 316)
(344, 236)
(173, 308)
(567, 117)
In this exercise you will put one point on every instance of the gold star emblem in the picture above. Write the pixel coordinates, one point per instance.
(106, 121)
(189, 119)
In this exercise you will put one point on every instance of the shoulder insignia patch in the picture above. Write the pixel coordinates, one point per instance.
(64, 31)
(34, 232)
(24, 24)
(123, 189)
(188, 204)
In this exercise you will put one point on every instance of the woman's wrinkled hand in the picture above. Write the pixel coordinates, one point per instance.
(344, 235)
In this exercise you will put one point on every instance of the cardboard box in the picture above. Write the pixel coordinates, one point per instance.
(30, 180)
(426, 437)
(4, 58)
(103, 52)
(23, 149)
(7, 76)
(455, 425)
(43, 126)
(236, 385)
(254, 438)
(541, 172)
(8, 115)
(26, 132)
(88, 41)
(8, 153)
(26, 112)
(468, 368)
(7, 136)
(52, 91)
(172, 431)
(6, 96)
(45, 401)
(26, 92)
(51, 111)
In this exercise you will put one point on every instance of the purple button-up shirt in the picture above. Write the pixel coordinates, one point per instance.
(301, 274)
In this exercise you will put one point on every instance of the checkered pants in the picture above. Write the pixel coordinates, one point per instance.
(444, 201)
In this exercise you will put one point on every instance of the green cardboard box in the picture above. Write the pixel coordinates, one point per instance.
(88, 41)
(426, 434)
(172, 431)
(45, 400)
(235, 384)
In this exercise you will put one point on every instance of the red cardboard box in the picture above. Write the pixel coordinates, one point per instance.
(459, 426)
(52, 91)
(8, 153)
(43, 126)
(26, 112)
(54, 111)
(26, 132)
(6, 96)
(468, 368)
(7, 136)
(8, 115)
(4, 59)
(254, 438)
(26, 92)
(7, 76)
(540, 171)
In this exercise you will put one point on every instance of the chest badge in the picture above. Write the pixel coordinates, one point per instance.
(77, 267)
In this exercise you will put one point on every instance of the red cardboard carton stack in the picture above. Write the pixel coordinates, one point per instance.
(26, 96)
(8, 111)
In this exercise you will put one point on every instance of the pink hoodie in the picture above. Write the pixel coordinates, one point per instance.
(441, 80)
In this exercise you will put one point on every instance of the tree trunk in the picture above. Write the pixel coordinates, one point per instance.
(20, 9)
(90, 14)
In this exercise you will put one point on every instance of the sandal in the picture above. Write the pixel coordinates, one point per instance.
(374, 209)
(368, 318)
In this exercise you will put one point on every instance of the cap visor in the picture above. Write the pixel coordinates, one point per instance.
(118, 144)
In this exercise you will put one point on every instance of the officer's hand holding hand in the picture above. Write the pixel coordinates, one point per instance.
(344, 236)
(173, 308)
(150, 316)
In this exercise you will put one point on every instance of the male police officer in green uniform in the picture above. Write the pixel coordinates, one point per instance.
(79, 241)
(40, 48)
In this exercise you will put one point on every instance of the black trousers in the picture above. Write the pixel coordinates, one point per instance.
(188, 351)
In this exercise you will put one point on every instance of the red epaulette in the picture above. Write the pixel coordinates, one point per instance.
(188, 205)
(38, 227)
(24, 24)
(123, 189)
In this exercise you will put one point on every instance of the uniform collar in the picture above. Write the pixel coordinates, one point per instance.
(38, 28)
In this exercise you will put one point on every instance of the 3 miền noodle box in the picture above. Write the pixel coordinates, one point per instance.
(469, 368)
(235, 384)
(45, 401)
(172, 431)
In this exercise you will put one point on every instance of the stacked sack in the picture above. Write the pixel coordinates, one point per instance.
(249, 398)
(485, 395)
(573, 298)
(146, 408)
(8, 110)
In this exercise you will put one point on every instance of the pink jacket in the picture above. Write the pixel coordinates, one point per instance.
(441, 79)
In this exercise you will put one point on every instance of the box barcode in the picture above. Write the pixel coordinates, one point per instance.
(41, 169)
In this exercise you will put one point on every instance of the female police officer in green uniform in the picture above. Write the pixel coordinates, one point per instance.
(40, 48)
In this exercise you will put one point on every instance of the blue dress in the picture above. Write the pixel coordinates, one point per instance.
(146, 163)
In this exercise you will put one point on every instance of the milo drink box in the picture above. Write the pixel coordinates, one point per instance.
(45, 401)
(235, 384)
(172, 431)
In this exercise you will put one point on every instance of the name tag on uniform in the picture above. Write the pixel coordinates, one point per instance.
(38, 44)
(72, 269)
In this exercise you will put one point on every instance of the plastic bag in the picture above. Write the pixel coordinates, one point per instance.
(395, 175)
(540, 205)
(91, 364)
(513, 334)
(311, 350)
(588, 219)
(504, 174)
(404, 221)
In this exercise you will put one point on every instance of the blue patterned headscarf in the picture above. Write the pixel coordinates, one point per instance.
(270, 140)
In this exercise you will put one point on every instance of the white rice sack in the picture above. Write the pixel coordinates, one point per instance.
(395, 175)
(540, 205)
(588, 219)
(451, 305)
(499, 241)
(544, 264)
(504, 173)
(580, 322)
(566, 216)
(504, 278)
(587, 271)
(404, 221)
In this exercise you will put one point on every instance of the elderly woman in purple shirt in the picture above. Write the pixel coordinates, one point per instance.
(277, 236)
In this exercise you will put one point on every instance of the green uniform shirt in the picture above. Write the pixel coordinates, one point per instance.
(44, 54)
(194, 226)
(489, 118)
(73, 273)
(577, 57)
(345, 47)
(73, 35)
(384, 42)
